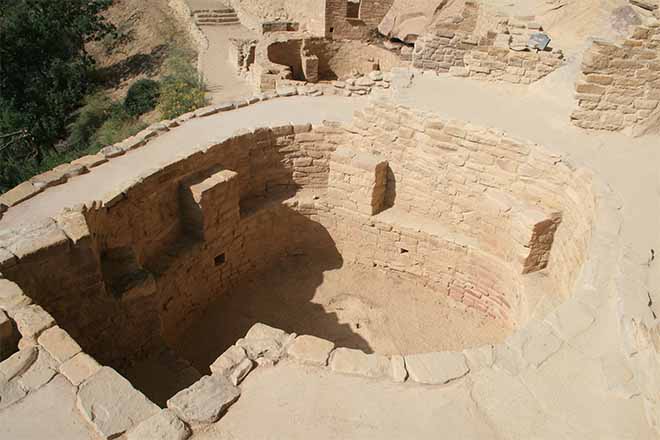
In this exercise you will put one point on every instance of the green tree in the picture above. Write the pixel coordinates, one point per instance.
(44, 72)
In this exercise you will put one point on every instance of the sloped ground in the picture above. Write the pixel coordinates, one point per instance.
(146, 32)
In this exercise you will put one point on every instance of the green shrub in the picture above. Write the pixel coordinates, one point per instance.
(178, 97)
(142, 97)
(117, 127)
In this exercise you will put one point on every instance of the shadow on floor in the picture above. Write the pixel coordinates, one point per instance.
(280, 296)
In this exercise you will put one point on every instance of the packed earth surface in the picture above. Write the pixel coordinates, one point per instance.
(393, 219)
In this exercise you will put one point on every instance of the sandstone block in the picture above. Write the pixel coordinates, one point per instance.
(12, 297)
(436, 368)
(19, 194)
(227, 361)
(59, 344)
(111, 404)
(241, 371)
(164, 425)
(32, 321)
(18, 363)
(111, 151)
(357, 362)
(79, 368)
(205, 400)
(10, 393)
(398, 371)
(42, 370)
(311, 350)
(90, 161)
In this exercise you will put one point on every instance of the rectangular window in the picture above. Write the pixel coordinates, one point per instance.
(353, 9)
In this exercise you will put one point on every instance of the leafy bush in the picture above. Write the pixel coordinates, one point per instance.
(182, 89)
(178, 97)
(142, 97)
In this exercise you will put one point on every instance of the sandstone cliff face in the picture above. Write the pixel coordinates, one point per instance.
(408, 19)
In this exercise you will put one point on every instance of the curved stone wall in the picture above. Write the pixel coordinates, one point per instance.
(495, 223)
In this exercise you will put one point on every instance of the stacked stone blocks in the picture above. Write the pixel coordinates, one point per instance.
(619, 84)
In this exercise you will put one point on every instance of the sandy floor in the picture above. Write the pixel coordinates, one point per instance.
(354, 306)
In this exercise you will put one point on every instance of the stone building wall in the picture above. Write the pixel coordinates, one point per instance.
(459, 47)
(339, 26)
(468, 211)
(620, 84)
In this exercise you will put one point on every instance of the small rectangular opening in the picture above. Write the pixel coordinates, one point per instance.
(219, 260)
(403, 251)
(353, 9)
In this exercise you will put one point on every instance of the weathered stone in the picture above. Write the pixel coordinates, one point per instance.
(59, 344)
(540, 343)
(227, 361)
(376, 75)
(7, 259)
(205, 400)
(111, 404)
(111, 151)
(12, 297)
(350, 361)
(398, 372)
(164, 425)
(287, 91)
(19, 194)
(256, 348)
(311, 350)
(263, 331)
(10, 393)
(79, 368)
(570, 319)
(479, 358)
(364, 82)
(42, 370)
(18, 363)
(32, 321)
(91, 161)
(241, 371)
(436, 368)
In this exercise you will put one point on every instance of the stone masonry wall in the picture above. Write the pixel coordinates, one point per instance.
(620, 84)
(339, 27)
(457, 47)
(482, 188)
(454, 206)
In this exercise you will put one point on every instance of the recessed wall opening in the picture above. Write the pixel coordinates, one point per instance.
(353, 9)
(219, 260)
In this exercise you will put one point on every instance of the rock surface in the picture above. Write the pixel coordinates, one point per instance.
(164, 425)
(205, 400)
(349, 361)
(311, 350)
(111, 404)
(436, 368)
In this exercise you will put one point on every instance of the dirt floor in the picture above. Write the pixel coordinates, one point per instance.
(352, 305)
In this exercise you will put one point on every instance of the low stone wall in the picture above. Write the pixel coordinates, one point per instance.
(619, 84)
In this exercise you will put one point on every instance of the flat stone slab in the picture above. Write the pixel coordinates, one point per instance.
(32, 321)
(436, 368)
(311, 350)
(79, 368)
(228, 360)
(111, 404)
(19, 194)
(12, 296)
(59, 344)
(205, 400)
(18, 363)
(165, 425)
(350, 361)
(90, 161)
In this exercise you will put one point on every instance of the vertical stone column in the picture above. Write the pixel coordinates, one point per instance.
(211, 206)
(357, 181)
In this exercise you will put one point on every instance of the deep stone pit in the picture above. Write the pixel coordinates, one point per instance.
(399, 234)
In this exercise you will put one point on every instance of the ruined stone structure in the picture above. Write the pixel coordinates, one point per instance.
(456, 46)
(619, 84)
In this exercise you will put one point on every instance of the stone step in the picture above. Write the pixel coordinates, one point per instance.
(223, 22)
(214, 11)
(223, 15)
